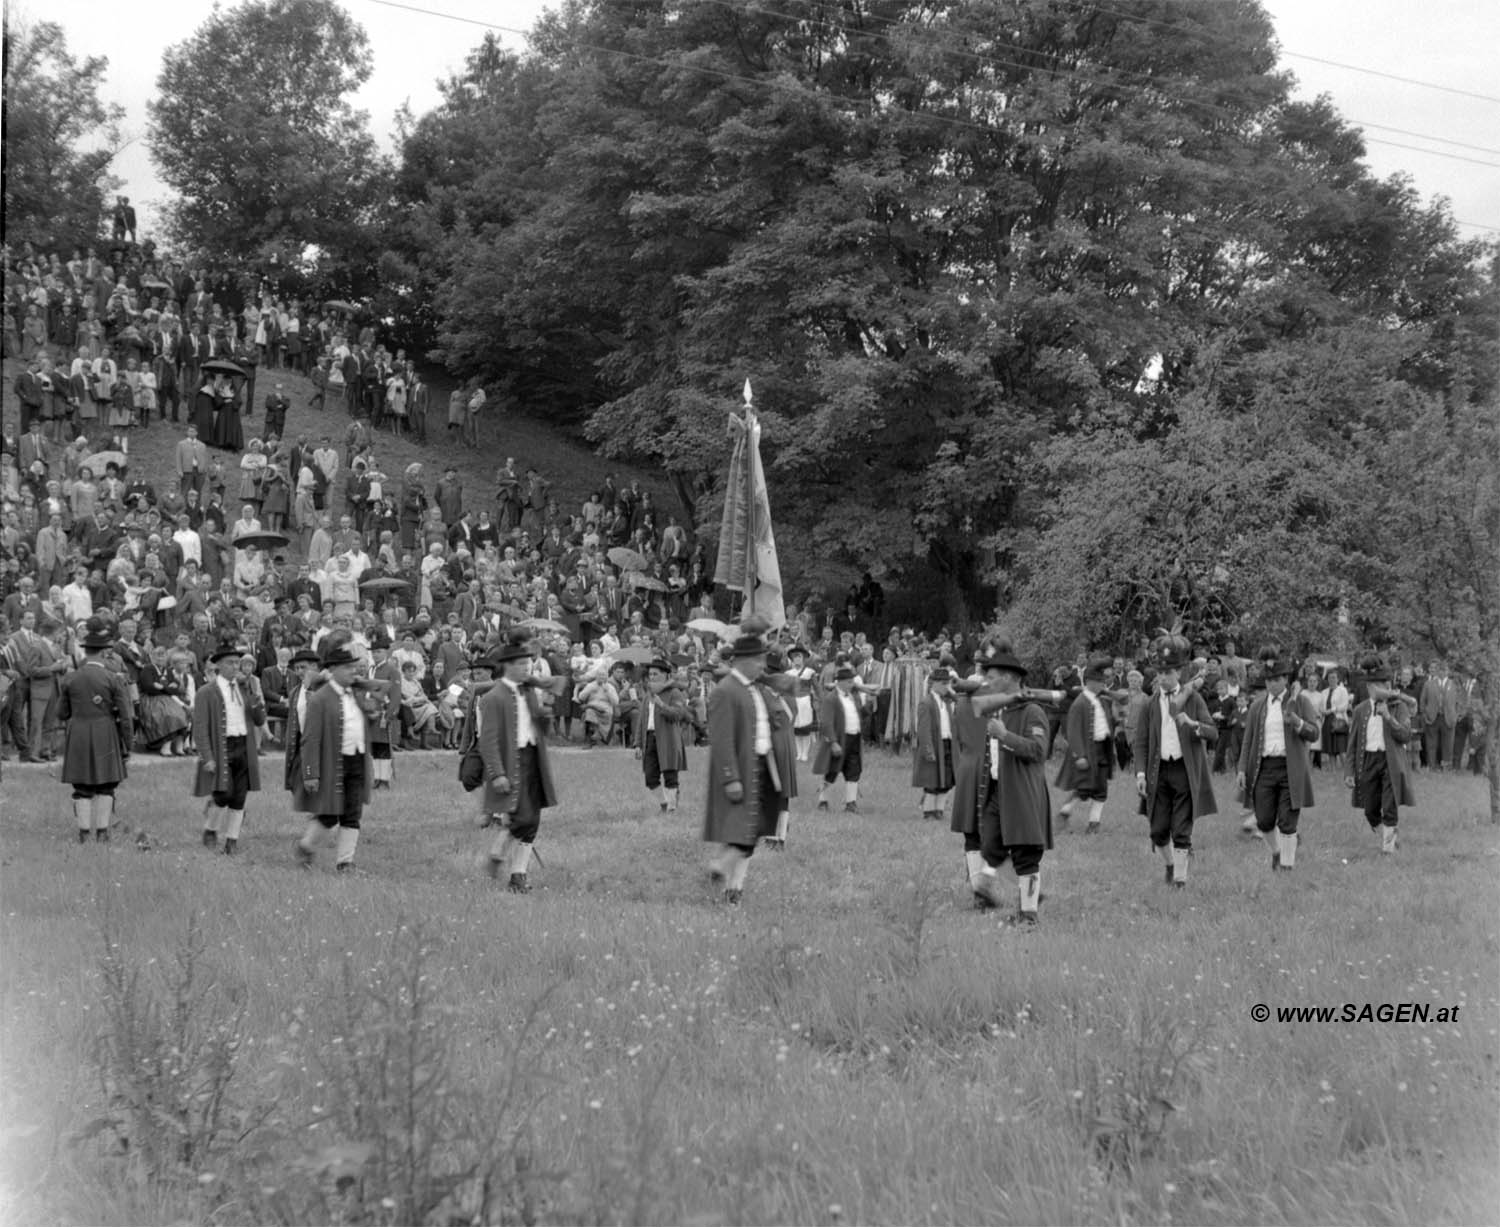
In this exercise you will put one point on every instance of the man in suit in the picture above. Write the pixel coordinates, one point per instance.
(742, 800)
(33, 447)
(277, 404)
(1438, 707)
(51, 552)
(1088, 762)
(226, 713)
(1275, 769)
(29, 392)
(932, 749)
(191, 458)
(1380, 776)
(335, 756)
(658, 733)
(513, 721)
(1465, 723)
(1172, 769)
(839, 741)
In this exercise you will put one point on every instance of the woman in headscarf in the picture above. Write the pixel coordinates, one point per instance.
(208, 404)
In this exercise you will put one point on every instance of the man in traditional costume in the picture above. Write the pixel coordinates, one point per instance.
(932, 748)
(1172, 767)
(513, 718)
(225, 715)
(658, 733)
(839, 741)
(1089, 728)
(335, 749)
(94, 708)
(743, 788)
(804, 717)
(304, 667)
(1380, 776)
(1275, 769)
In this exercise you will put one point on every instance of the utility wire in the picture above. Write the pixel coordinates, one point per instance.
(950, 120)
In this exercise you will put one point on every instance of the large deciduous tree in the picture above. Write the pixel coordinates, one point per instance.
(59, 138)
(253, 128)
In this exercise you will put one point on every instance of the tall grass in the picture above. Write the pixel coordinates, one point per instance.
(853, 1044)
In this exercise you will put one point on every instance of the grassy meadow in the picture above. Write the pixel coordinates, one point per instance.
(190, 1038)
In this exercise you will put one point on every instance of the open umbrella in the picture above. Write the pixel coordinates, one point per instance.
(633, 656)
(223, 366)
(648, 583)
(546, 624)
(707, 626)
(627, 560)
(338, 304)
(385, 583)
(261, 541)
(99, 461)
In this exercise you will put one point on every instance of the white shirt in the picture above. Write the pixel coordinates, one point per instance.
(1101, 722)
(1273, 740)
(190, 543)
(994, 758)
(762, 717)
(353, 739)
(650, 715)
(1171, 743)
(945, 726)
(234, 707)
(302, 708)
(525, 728)
(1375, 732)
(851, 714)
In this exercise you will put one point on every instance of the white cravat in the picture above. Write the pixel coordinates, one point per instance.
(1101, 722)
(525, 729)
(1375, 732)
(994, 758)
(1171, 743)
(353, 739)
(650, 716)
(851, 715)
(945, 727)
(234, 707)
(1273, 743)
(762, 717)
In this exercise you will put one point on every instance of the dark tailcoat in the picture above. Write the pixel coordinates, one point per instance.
(209, 736)
(970, 748)
(1024, 803)
(1079, 731)
(498, 730)
(1147, 751)
(931, 770)
(322, 759)
(671, 718)
(732, 760)
(95, 707)
(831, 733)
(1298, 761)
(1397, 734)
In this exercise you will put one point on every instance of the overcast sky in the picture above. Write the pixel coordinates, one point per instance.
(1443, 42)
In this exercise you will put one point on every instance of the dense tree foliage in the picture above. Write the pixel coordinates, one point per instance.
(59, 139)
(948, 241)
(253, 129)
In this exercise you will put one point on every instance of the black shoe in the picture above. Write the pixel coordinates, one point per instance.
(1179, 885)
(982, 903)
(716, 876)
(519, 885)
(664, 807)
(344, 867)
(102, 837)
(493, 867)
(1275, 861)
(83, 837)
(851, 808)
(210, 839)
(732, 897)
(229, 846)
(823, 805)
(1169, 875)
(1026, 918)
(304, 855)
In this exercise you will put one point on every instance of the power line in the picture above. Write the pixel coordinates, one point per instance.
(1425, 136)
(1296, 55)
(950, 120)
(1478, 226)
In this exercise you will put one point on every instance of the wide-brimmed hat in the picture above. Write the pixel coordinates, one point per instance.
(661, 665)
(97, 633)
(1170, 652)
(940, 674)
(997, 654)
(844, 673)
(338, 654)
(748, 645)
(304, 656)
(1098, 669)
(1272, 664)
(504, 653)
(796, 650)
(1376, 670)
(228, 649)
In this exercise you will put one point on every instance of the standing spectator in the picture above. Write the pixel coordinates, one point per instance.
(276, 406)
(450, 496)
(471, 417)
(418, 402)
(1439, 711)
